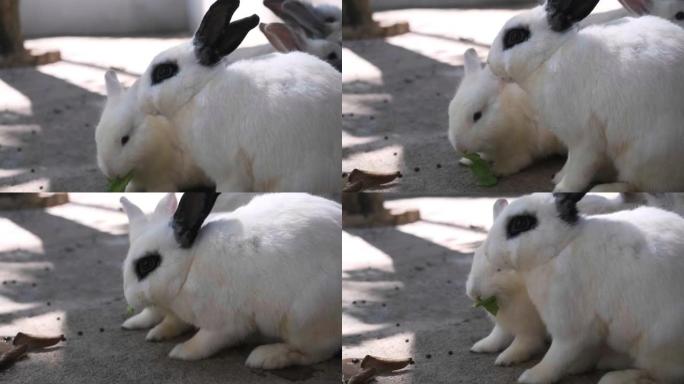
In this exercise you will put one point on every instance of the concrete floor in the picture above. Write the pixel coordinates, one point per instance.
(397, 92)
(60, 270)
(404, 295)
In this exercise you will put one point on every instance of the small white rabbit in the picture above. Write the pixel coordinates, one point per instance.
(314, 29)
(582, 83)
(272, 266)
(285, 38)
(321, 21)
(127, 140)
(672, 10)
(604, 281)
(266, 124)
(517, 319)
(494, 118)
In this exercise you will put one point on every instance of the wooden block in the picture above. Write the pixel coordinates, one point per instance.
(29, 59)
(12, 201)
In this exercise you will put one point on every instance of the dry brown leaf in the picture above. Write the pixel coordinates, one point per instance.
(5, 347)
(356, 186)
(14, 354)
(363, 377)
(36, 342)
(370, 367)
(383, 365)
(350, 367)
(359, 180)
(372, 177)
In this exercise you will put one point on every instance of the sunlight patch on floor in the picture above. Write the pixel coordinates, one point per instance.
(13, 100)
(359, 69)
(15, 237)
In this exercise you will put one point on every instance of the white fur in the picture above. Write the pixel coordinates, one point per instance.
(609, 92)
(271, 266)
(610, 280)
(508, 133)
(265, 124)
(154, 153)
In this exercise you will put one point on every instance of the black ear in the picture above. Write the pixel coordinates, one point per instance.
(193, 208)
(216, 36)
(562, 14)
(234, 33)
(566, 205)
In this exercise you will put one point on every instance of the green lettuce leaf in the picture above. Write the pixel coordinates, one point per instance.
(481, 170)
(489, 304)
(119, 184)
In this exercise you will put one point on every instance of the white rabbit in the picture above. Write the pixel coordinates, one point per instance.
(267, 124)
(672, 10)
(127, 140)
(604, 281)
(285, 38)
(272, 266)
(517, 320)
(494, 118)
(584, 86)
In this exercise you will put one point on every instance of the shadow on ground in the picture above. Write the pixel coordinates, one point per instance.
(55, 147)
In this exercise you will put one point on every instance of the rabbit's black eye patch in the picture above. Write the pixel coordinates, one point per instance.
(163, 71)
(124, 140)
(330, 19)
(515, 36)
(332, 56)
(679, 15)
(477, 116)
(519, 224)
(146, 265)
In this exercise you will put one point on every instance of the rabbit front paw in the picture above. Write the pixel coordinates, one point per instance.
(535, 376)
(167, 329)
(497, 340)
(274, 356)
(190, 351)
(148, 318)
(203, 345)
(631, 376)
(518, 352)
